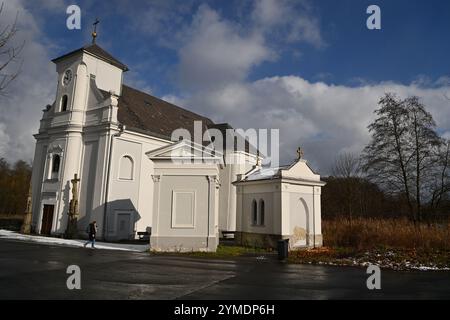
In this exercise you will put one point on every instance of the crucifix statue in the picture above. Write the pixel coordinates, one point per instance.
(94, 33)
(74, 201)
(299, 153)
(73, 209)
(26, 226)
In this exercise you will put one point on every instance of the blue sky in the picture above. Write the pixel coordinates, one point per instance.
(412, 43)
(309, 68)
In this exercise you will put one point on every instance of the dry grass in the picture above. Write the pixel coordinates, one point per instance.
(366, 234)
(390, 243)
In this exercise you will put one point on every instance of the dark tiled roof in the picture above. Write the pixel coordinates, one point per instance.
(98, 52)
(223, 127)
(140, 111)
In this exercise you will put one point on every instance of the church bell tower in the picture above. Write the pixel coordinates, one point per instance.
(60, 143)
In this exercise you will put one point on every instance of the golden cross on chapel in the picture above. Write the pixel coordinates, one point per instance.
(299, 153)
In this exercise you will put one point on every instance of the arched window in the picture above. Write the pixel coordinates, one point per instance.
(126, 168)
(254, 213)
(261, 212)
(64, 103)
(56, 161)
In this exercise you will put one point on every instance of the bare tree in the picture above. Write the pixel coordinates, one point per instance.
(401, 155)
(424, 143)
(439, 182)
(387, 157)
(347, 172)
(9, 53)
(347, 165)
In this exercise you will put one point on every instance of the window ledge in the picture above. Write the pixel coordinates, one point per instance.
(125, 179)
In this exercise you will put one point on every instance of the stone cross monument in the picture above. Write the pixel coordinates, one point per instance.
(26, 225)
(72, 229)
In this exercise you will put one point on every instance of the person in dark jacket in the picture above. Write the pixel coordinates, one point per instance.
(92, 231)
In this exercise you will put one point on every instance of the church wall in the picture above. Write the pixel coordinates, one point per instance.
(300, 207)
(181, 221)
(237, 163)
(70, 165)
(291, 212)
(87, 183)
(36, 180)
(94, 115)
(124, 188)
(265, 235)
(318, 238)
(132, 196)
(54, 188)
(107, 76)
(304, 216)
(185, 204)
(92, 176)
(224, 197)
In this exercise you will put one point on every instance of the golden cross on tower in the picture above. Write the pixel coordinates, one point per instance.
(94, 33)
(299, 153)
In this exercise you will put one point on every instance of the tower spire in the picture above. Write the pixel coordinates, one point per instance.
(94, 33)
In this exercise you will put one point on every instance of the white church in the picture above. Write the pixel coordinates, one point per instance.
(135, 179)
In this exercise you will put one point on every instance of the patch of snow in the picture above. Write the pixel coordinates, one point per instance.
(430, 268)
(6, 234)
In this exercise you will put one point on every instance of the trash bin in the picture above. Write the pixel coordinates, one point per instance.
(283, 249)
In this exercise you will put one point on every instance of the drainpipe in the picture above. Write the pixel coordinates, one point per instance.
(314, 216)
(209, 211)
(111, 143)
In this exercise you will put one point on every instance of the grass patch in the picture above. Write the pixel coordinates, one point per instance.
(224, 251)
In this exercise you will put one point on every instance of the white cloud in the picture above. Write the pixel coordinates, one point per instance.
(324, 119)
(217, 55)
(215, 51)
(34, 88)
(269, 12)
(292, 21)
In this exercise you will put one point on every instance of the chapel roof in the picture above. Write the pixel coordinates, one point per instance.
(278, 173)
(265, 174)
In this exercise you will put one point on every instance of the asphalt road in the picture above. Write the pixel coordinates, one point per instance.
(37, 271)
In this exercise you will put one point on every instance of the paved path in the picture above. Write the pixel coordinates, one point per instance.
(38, 271)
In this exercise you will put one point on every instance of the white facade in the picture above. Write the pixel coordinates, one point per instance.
(186, 197)
(127, 182)
(282, 203)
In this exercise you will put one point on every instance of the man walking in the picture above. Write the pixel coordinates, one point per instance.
(92, 231)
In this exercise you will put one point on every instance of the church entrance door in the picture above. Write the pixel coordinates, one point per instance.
(47, 219)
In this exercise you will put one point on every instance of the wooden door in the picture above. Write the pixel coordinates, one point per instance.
(47, 219)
